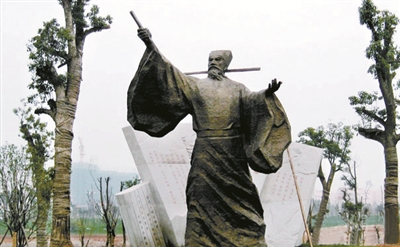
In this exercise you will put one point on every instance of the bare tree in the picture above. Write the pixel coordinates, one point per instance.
(353, 212)
(83, 227)
(83, 214)
(107, 209)
(17, 199)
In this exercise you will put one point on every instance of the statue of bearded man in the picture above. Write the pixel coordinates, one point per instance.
(236, 128)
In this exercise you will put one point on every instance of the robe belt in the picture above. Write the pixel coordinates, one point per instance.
(218, 133)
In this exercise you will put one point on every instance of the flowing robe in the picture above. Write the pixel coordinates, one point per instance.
(235, 128)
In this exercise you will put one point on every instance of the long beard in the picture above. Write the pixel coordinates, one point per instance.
(215, 74)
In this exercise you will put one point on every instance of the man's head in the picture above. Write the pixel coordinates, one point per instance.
(218, 62)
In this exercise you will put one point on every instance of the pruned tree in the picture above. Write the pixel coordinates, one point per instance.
(83, 215)
(335, 139)
(17, 198)
(85, 219)
(56, 55)
(378, 110)
(107, 209)
(39, 141)
(354, 211)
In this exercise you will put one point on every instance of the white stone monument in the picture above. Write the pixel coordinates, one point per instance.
(279, 198)
(138, 203)
(156, 209)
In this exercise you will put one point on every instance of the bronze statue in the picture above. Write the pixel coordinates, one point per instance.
(236, 128)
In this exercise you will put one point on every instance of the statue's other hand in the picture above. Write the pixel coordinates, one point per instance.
(272, 87)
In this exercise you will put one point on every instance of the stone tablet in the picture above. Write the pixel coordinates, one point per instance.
(164, 163)
(279, 198)
(137, 203)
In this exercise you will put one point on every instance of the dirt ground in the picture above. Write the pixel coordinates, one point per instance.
(98, 241)
(329, 235)
(94, 241)
(337, 235)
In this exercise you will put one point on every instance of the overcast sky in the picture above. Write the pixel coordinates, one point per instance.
(315, 47)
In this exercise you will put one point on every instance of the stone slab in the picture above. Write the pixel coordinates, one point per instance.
(282, 214)
(164, 163)
(138, 203)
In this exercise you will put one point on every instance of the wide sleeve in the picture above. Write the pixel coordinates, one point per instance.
(157, 101)
(267, 132)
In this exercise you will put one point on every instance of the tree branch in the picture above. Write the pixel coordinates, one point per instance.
(95, 29)
(372, 115)
(49, 112)
(26, 134)
(373, 134)
(321, 176)
(49, 73)
(64, 63)
(397, 137)
(58, 53)
(375, 35)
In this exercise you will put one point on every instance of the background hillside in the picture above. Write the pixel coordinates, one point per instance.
(84, 179)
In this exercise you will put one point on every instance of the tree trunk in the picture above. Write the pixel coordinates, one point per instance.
(121, 188)
(43, 196)
(82, 241)
(326, 187)
(391, 193)
(41, 219)
(60, 235)
(14, 239)
(123, 234)
(110, 239)
(320, 216)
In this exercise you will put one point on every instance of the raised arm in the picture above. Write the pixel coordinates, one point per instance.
(145, 35)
